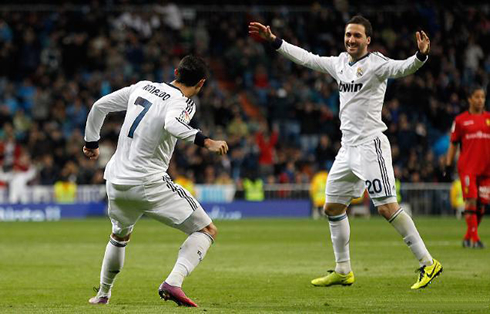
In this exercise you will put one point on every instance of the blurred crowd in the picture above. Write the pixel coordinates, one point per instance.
(280, 120)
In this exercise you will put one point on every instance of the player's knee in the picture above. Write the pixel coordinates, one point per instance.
(121, 238)
(384, 211)
(334, 209)
(211, 229)
(387, 210)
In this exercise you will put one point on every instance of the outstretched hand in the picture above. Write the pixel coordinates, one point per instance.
(263, 31)
(423, 42)
(219, 147)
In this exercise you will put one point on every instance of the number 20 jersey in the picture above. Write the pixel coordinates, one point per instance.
(157, 115)
(362, 86)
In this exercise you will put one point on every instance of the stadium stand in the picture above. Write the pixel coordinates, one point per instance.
(56, 61)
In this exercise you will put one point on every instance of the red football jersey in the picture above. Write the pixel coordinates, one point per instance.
(472, 132)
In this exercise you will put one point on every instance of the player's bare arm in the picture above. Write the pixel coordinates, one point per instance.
(262, 30)
(92, 153)
(219, 147)
(423, 42)
(451, 153)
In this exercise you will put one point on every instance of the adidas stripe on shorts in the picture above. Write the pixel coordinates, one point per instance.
(164, 201)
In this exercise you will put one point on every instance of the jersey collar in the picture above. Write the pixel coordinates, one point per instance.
(365, 56)
(174, 87)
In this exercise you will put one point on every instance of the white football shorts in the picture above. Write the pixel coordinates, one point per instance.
(356, 168)
(164, 201)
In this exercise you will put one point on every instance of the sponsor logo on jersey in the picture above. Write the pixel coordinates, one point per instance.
(478, 134)
(484, 192)
(349, 87)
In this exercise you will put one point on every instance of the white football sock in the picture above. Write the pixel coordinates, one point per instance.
(403, 223)
(340, 235)
(191, 253)
(111, 265)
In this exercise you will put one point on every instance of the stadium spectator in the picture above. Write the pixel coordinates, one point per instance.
(65, 189)
(267, 143)
(253, 187)
(471, 132)
(317, 193)
(18, 178)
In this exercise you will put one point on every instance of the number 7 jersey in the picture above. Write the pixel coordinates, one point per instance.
(157, 115)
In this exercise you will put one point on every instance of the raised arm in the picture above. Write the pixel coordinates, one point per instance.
(400, 68)
(296, 54)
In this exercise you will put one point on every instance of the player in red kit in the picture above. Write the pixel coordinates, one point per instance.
(471, 131)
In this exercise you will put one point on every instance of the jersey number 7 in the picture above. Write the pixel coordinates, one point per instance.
(146, 105)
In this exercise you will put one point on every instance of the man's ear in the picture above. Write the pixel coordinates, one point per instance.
(201, 83)
(176, 72)
(369, 40)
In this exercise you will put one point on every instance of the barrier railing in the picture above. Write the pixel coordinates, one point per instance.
(419, 198)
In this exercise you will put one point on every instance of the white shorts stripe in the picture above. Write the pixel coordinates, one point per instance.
(181, 192)
(382, 166)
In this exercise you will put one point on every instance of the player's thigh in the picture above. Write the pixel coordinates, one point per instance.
(342, 183)
(170, 203)
(484, 189)
(125, 207)
(377, 169)
(469, 185)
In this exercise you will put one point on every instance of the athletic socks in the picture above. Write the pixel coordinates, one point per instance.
(191, 253)
(403, 223)
(471, 223)
(472, 227)
(479, 216)
(340, 235)
(111, 265)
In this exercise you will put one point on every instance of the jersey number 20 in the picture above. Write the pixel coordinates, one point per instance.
(146, 106)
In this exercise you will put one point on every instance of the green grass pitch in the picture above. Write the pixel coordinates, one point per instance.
(255, 266)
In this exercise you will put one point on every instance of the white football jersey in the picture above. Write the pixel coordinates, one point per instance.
(362, 87)
(157, 114)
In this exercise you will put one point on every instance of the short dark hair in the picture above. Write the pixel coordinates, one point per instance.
(473, 89)
(361, 20)
(191, 70)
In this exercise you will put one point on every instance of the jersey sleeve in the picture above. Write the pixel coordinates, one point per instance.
(178, 117)
(305, 58)
(456, 132)
(113, 102)
(389, 68)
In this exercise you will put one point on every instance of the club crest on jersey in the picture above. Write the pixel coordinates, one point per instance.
(360, 72)
(349, 87)
(488, 122)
